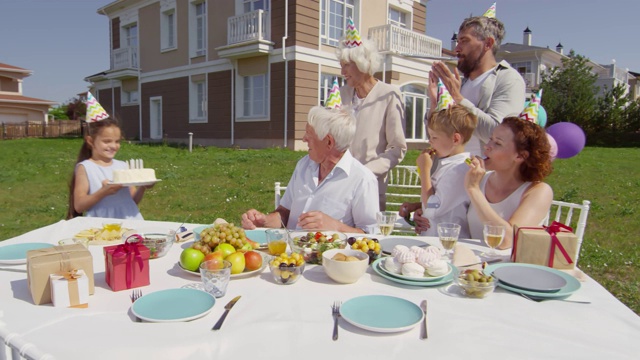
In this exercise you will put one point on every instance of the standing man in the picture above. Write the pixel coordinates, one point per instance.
(490, 90)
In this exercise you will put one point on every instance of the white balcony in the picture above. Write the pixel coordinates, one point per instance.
(124, 58)
(392, 38)
(248, 35)
(530, 80)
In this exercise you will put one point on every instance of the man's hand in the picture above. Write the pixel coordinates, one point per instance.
(318, 220)
(450, 80)
(422, 223)
(252, 219)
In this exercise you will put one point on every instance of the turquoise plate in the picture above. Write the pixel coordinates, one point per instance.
(381, 313)
(17, 253)
(572, 285)
(377, 267)
(423, 279)
(259, 236)
(387, 244)
(173, 305)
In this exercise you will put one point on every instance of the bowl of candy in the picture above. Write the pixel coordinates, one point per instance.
(345, 266)
(475, 283)
(287, 269)
(159, 241)
(312, 244)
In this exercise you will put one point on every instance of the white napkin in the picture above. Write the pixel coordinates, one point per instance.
(462, 255)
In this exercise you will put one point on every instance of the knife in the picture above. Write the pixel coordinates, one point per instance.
(424, 334)
(481, 262)
(227, 307)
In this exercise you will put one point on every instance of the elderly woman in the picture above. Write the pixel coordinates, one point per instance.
(379, 142)
(513, 192)
(329, 189)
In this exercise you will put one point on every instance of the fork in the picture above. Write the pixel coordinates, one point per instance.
(541, 300)
(135, 295)
(335, 311)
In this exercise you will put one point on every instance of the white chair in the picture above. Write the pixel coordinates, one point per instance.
(278, 189)
(563, 213)
(403, 186)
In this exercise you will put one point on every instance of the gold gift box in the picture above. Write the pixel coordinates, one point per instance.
(533, 246)
(43, 262)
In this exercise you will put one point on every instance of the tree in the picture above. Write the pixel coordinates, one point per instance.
(76, 108)
(569, 92)
(611, 115)
(59, 112)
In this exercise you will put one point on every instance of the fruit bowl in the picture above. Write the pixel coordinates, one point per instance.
(347, 270)
(158, 241)
(475, 284)
(312, 244)
(286, 274)
(368, 245)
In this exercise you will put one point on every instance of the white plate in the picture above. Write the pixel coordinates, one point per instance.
(173, 305)
(411, 278)
(529, 278)
(377, 267)
(17, 253)
(387, 244)
(265, 262)
(381, 313)
(138, 183)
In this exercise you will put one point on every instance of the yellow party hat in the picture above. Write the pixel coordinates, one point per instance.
(491, 12)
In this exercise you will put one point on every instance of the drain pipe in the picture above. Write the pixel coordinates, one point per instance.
(140, 102)
(234, 66)
(286, 68)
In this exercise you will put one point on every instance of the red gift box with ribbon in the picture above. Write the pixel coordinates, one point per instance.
(554, 246)
(126, 265)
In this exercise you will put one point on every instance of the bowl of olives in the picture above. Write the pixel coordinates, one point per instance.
(475, 283)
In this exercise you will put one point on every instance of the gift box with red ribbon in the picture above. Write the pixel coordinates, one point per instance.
(554, 246)
(126, 265)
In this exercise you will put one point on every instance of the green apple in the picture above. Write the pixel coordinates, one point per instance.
(226, 249)
(246, 247)
(237, 262)
(191, 258)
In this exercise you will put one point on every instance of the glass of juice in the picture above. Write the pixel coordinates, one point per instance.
(276, 241)
(448, 234)
(493, 237)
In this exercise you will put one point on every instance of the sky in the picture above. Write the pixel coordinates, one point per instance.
(64, 41)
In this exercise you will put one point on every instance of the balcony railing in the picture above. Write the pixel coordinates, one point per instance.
(250, 26)
(396, 39)
(124, 58)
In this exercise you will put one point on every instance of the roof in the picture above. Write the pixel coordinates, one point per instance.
(513, 47)
(24, 100)
(11, 68)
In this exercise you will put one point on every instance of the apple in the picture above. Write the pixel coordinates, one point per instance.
(253, 260)
(191, 258)
(254, 245)
(246, 247)
(214, 260)
(237, 262)
(226, 249)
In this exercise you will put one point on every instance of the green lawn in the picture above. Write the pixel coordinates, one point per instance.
(211, 182)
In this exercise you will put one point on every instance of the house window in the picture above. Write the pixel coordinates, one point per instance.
(168, 29)
(198, 100)
(252, 5)
(254, 96)
(523, 67)
(131, 42)
(398, 17)
(326, 81)
(334, 16)
(130, 96)
(198, 30)
(416, 107)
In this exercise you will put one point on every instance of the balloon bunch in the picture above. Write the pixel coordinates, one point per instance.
(566, 139)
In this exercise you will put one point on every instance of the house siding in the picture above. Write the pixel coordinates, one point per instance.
(419, 18)
(115, 33)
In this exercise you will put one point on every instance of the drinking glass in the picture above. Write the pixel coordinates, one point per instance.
(493, 237)
(215, 275)
(386, 221)
(448, 234)
(276, 241)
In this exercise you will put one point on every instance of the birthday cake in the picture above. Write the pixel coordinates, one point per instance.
(134, 176)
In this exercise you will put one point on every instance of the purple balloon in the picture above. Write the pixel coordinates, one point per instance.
(569, 138)
(554, 147)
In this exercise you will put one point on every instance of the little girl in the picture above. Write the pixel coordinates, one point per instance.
(90, 191)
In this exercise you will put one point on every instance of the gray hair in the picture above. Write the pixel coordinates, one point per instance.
(340, 123)
(483, 28)
(366, 56)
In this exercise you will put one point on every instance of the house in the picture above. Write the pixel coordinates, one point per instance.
(14, 107)
(245, 72)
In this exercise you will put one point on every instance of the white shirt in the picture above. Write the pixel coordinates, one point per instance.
(450, 201)
(349, 193)
(471, 91)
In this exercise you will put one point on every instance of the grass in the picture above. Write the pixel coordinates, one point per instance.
(212, 183)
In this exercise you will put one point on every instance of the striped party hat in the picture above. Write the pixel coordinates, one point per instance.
(445, 100)
(334, 100)
(530, 112)
(95, 111)
(491, 12)
(353, 39)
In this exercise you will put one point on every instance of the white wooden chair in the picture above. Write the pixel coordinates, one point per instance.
(278, 189)
(562, 212)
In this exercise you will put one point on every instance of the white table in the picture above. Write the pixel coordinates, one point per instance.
(275, 321)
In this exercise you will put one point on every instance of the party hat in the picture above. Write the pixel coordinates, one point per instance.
(334, 101)
(445, 100)
(95, 111)
(530, 112)
(353, 39)
(491, 12)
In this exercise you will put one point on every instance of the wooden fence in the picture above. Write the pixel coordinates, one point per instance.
(52, 129)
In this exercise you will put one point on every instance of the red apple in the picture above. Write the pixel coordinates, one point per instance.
(214, 260)
(253, 260)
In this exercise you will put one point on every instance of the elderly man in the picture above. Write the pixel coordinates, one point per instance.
(490, 90)
(329, 189)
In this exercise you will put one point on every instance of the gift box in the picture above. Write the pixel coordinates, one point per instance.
(43, 262)
(70, 288)
(126, 266)
(554, 246)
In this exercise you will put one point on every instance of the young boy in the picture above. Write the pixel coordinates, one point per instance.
(443, 196)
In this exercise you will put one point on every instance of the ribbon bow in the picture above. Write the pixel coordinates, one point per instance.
(127, 249)
(553, 229)
(71, 275)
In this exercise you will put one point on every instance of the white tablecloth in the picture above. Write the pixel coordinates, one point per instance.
(276, 321)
